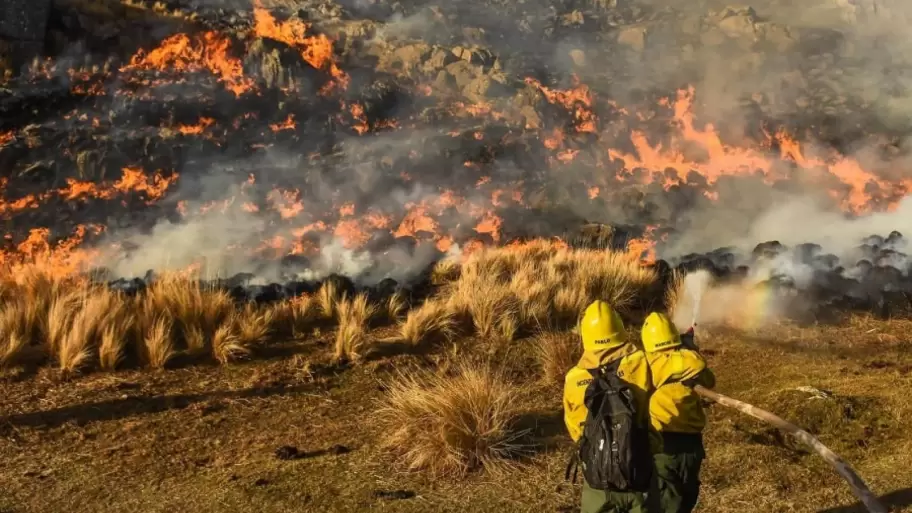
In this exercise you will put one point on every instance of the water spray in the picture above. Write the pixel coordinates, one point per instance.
(696, 285)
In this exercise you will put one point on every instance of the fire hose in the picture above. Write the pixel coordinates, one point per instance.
(858, 486)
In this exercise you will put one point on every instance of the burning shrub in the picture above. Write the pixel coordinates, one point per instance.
(451, 425)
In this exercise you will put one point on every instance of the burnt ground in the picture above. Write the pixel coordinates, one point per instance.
(209, 439)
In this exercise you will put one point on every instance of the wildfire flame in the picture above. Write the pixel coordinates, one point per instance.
(316, 50)
(205, 52)
(690, 148)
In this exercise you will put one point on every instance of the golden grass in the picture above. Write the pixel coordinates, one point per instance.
(354, 319)
(431, 321)
(674, 292)
(556, 354)
(494, 294)
(445, 271)
(196, 313)
(227, 344)
(452, 424)
(157, 343)
(295, 317)
(506, 291)
(328, 299)
(396, 305)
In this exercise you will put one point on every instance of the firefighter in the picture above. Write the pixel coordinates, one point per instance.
(676, 413)
(604, 341)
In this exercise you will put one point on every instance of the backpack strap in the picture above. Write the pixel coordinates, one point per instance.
(572, 465)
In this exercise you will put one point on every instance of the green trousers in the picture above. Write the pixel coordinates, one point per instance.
(600, 501)
(677, 473)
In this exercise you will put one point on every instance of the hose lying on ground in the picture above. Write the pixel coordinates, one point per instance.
(859, 488)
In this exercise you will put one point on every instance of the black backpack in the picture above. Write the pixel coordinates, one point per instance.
(614, 447)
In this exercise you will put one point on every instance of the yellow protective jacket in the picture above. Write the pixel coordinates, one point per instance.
(633, 369)
(674, 407)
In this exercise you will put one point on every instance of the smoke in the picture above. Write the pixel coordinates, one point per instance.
(745, 305)
(753, 69)
(221, 238)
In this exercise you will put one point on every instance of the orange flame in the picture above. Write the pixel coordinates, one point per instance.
(198, 128)
(288, 124)
(315, 50)
(208, 51)
(643, 248)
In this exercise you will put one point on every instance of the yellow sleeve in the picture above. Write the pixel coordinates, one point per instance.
(691, 364)
(575, 411)
(675, 366)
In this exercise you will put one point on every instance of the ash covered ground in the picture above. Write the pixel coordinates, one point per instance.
(295, 139)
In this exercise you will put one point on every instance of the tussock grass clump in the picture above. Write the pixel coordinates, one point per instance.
(84, 328)
(227, 344)
(395, 306)
(328, 299)
(354, 320)
(431, 321)
(157, 344)
(674, 292)
(445, 271)
(507, 291)
(449, 425)
(196, 313)
(296, 316)
(556, 354)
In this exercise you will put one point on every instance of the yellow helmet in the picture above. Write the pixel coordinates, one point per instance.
(601, 327)
(659, 333)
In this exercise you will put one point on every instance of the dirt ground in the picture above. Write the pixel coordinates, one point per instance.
(205, 438)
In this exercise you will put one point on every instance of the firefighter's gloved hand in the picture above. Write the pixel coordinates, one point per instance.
(687, 339)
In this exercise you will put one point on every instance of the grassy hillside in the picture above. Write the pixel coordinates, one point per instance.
(448, 404)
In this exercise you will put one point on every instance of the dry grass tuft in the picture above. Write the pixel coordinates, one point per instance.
(196, 313)
(13, 336)
(354, 320)
(674, 292)
(254, 325)
(114, 342)
(445, 271)
(328, 299)
(12, 347)
(157, 343)
(296, 317)
(85, 328)
(451, 425)
(396, 305)
(227, 345)
(506, 291)
(430, 321)
(556, 354)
